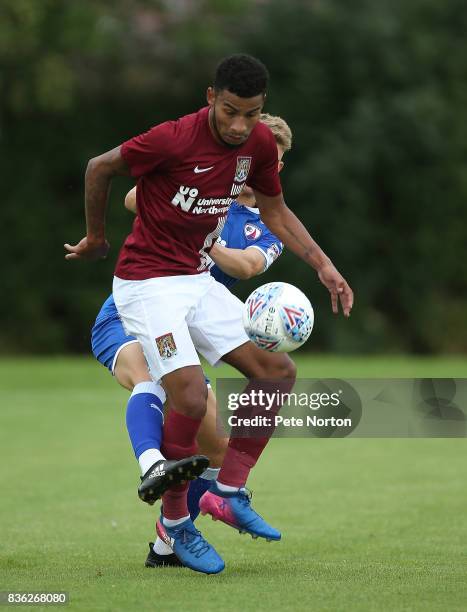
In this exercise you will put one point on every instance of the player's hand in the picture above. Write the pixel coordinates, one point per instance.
(337, 287)
(87, 249)
(214, 249)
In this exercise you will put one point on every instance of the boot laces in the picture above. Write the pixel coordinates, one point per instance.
(194, 542)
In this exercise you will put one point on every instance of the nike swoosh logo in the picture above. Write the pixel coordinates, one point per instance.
(199, 170)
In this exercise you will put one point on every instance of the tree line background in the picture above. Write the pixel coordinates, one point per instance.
(374, 91)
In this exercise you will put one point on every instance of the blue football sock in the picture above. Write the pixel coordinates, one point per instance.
(144, 417)
(197, 489)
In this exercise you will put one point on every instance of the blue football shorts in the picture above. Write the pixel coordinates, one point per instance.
(108, 338)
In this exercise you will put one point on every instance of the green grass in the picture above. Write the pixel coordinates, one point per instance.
(367, 524)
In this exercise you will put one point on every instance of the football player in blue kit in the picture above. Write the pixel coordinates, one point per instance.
(245, 248)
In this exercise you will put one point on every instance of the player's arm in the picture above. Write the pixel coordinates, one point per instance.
(238, 263)
(130, 200)
(99, 173)
(282, 222)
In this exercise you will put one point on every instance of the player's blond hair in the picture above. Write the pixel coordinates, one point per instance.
(280, 129)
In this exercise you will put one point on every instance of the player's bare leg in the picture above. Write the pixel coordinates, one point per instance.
(254, 362)
(228, 499)
(131, 367)
(211, 442)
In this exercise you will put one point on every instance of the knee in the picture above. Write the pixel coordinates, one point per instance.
(278, 367)
(288, 368)
(191, 399)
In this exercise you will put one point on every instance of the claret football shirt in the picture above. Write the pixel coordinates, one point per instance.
(186, 183)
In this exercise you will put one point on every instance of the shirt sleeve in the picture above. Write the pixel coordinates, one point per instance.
(265, 176)
(269, 246)
(149, 151)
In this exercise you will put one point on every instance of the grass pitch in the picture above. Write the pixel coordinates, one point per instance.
(367, 524)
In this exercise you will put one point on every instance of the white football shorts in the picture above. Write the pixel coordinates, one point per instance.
(173, 317)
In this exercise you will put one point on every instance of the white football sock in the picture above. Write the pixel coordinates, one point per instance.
(174, 522)
(150, 387)
(227, 488)
(210, 473)
(149, 458)
(161, 548)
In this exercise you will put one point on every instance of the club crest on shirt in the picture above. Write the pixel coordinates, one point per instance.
(166, 346)
(273, 251)
(252, 232)
(243, 168)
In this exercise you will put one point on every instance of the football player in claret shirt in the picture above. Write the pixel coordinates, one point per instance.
(189, 171)
(245, 248)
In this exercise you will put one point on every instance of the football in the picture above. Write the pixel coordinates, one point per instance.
(278, 317)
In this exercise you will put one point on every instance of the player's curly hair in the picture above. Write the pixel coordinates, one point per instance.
(243, 75)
